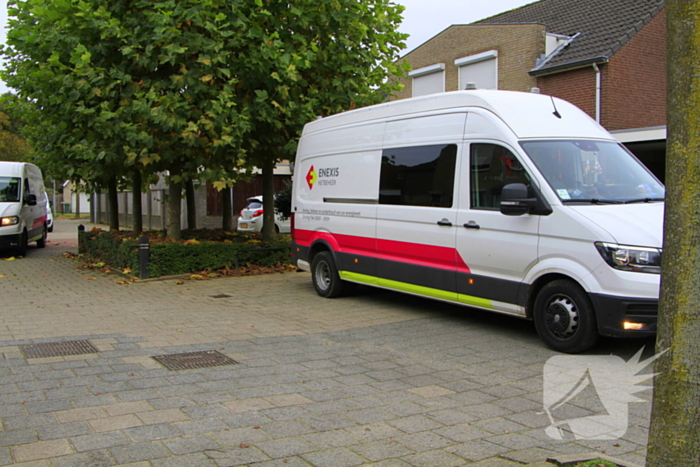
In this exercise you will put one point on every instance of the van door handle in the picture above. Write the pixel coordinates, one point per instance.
(445, 222)
(472, 225)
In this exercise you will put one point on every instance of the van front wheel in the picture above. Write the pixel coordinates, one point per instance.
(564, 317)
(325, 276)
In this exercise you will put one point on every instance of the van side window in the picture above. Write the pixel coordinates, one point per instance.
(491, 167)
(418, 176)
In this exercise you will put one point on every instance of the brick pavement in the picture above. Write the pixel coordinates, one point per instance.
(373, 379)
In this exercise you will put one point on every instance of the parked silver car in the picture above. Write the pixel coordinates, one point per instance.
(251, 218)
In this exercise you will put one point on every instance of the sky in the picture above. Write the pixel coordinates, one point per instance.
(423, 19)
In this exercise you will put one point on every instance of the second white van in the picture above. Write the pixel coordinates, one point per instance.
(513, 202)
(23, 207)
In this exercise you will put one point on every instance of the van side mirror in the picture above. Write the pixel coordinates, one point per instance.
(30, 199)
(514, 200)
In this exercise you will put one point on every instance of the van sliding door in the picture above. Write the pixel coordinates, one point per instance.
(416, 214)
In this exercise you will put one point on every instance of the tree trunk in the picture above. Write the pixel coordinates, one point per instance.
(268, 179)
(113, 200)
(226, 206)
(137, 208)
(674, 434)
(174, 210)
(191, 205)
(77, 202)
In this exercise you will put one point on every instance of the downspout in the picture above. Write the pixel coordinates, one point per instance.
(597, 92)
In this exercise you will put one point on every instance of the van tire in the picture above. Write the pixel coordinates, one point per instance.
(564, 317)
(41, 243)
(325, 276)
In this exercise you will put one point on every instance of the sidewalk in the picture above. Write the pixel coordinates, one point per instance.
(373, 379)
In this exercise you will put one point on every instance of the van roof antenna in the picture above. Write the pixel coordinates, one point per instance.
(556, 112)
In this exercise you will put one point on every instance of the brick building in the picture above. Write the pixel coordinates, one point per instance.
(606, 56)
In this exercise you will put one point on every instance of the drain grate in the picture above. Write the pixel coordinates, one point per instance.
(57, 349)
(221, 295)
(193, 360)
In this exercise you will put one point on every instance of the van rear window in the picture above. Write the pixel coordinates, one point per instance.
(418, 176)
(9, 189)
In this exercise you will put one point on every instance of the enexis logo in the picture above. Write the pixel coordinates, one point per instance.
(311, 177)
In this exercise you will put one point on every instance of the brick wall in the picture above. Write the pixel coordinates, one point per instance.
(518, 46)
(634, 87)
(576, 86)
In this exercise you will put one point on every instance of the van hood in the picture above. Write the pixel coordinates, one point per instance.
(8, 209)
(628, 224)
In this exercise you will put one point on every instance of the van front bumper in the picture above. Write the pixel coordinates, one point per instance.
(625, 316)
(9, 241)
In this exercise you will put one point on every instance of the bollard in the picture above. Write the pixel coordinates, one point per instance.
(144, 251)
(81, 240)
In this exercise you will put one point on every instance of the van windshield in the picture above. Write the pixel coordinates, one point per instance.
(596, 172)
(9, 189)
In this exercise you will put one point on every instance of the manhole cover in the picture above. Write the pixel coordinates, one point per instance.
(57, 349)
(193, 360)
(221, 295)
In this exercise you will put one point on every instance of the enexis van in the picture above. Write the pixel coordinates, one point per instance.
(513, 202)
(23, 207)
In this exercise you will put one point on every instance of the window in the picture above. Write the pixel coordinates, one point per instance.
(491, 168)
(428, 80)
(418, 176)
(480, 69)
(9, 189)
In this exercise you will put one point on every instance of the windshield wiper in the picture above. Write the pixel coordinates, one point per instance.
(643, 200)
(591, 201)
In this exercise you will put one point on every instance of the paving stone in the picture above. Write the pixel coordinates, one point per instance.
(17, 437)
(28, 421)
(381, 450)
(139, 452)
(238, 436)
(99, 458)
(99, 441)
(143, 434)
(287, 429)
(187, 460)
(436, 458)
(196, 427)
(64, 430)
(339, 457)
(424, 441)
(191, 444)
(41, 450)
(286, 447)
(331, 439)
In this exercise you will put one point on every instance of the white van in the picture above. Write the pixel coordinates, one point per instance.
(512, 202)
(23, 207)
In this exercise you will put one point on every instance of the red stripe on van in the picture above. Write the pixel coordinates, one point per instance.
(405, 252)
(38, 222)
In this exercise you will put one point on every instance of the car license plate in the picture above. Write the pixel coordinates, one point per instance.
(244, 226)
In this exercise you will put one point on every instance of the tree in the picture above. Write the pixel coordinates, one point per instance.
(13, 145)
(674, 436)
(307, 58)
(130, 85)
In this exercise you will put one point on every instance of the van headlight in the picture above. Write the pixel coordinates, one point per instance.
(7, 221)
(631, 258)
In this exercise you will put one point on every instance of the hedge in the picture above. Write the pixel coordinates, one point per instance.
(169, 258)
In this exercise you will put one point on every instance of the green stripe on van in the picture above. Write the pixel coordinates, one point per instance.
(416, 289)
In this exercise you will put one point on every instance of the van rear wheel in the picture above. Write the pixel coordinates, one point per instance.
(41, 243)
(325, 276)
(564, 317)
